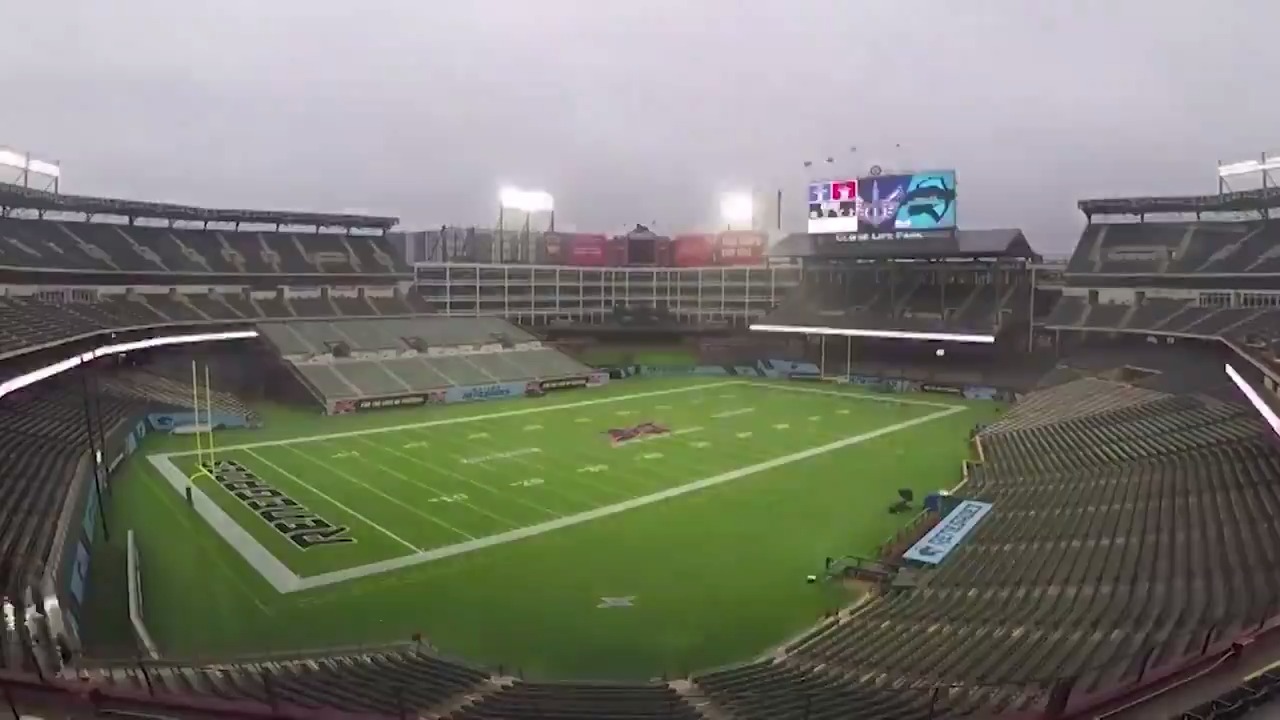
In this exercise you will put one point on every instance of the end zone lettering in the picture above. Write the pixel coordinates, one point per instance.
(284, 514)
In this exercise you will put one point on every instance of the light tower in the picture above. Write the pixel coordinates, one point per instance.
(27, 171)
(526, 202)
(738, 211)
(1250, 176)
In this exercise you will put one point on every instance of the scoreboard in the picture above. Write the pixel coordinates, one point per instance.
(833, 206)
(884, 206)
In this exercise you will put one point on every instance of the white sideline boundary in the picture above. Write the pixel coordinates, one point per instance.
(285, 580)
(464, 418)
(271, 569)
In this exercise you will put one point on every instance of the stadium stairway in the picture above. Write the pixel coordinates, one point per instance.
(448, 707)
(580, 701)
(698, 698)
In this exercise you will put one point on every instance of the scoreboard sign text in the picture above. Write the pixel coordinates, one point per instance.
(833, 206)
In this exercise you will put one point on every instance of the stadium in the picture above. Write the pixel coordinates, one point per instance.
(265, 464)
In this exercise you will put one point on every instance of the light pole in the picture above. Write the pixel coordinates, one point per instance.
(27, 166)
(527, 202)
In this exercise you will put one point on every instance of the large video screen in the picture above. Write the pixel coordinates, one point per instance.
(833, 206)
(907, 203)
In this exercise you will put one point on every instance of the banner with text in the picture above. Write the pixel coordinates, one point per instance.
(470, 393)
(936, 544)
(168, 422)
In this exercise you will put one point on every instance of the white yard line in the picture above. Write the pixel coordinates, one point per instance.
(336, 503)
(377, 568)
(405, 478)
(457, 476)
(366, 486)
(463, 419)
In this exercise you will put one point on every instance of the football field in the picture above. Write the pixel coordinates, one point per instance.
(649, 526)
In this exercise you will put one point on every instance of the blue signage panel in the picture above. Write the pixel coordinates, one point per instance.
(936, 544)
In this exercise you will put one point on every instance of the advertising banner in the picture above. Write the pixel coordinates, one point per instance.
(495, 391)
(981, 393)
(563, 384)
(471, 393)
(783, 368)
(551, 248)
(168, 422)
(587, 251)
(379, 403)
(889, 204)
(905, 386)
(941, 388)
(833, 206)
(694, 250)
(936, 544)
(742, 248)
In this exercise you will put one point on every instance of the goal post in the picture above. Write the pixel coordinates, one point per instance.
(201, 425)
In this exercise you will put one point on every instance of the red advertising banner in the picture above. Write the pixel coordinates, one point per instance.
(694, 250)
(742, 248)
(552, 249)
(587, 250)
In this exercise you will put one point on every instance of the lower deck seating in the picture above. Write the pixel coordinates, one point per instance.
(788, 691)
(43, 443)
(369, 359)
(146, 386)
(391, 683)
(570, 701)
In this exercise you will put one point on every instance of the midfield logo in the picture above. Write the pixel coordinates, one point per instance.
(620, 435)
(617, 602)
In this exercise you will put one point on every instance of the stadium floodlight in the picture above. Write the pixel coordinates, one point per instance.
(888, 334)
(25, 163)
(1249, 167)
(1256, 400)
(528, 201)
(737, 208)
(45, 173)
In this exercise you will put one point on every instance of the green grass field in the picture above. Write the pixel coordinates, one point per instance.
(498, 529)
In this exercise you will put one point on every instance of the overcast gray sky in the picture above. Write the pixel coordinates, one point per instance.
(633, 111)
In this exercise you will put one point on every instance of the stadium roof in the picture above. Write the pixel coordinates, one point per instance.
(16, 196)
(1009, 243)
(1241, 201)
